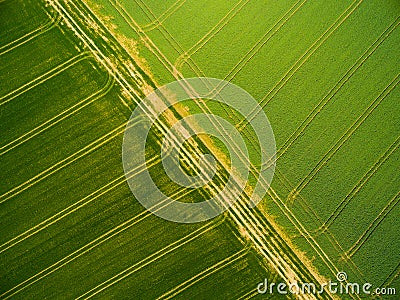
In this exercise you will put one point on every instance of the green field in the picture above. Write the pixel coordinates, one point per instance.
(69, 220)
(71, 72)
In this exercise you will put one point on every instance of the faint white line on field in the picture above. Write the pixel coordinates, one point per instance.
(58, 118)
(185, 55)
(250, 54)
(147, 41)
(341, 18)
(204, 274)
(360, 61)
(42, 78)
(392, 276)
(150, 259)
(343, 14)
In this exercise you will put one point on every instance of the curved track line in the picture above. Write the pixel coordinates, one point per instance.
(164, 61)
(341, 21)
(146, 39)
(59, 117)
(294, 9)
(54, 20)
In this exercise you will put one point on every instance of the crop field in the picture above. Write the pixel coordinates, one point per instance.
(325, 73)
(70, 225)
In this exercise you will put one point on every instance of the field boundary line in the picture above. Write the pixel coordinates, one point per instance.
(59, 117)
(44, 77)
(205, 273)
(241, 217)
(359, 185)
(305, 205)
(76, 206)
(321, 222)
(335, 242)
(98, 143)
(372, 227)
(318, 46)
(150, 44)
(261, 246)
(106, 62)
(47, 26)
(344, 138)
(139, 29)
(88, 247)
(296, 10)
(150, 259)
(304, 233)
(164, 16)
(83, 35)
(165, 61)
